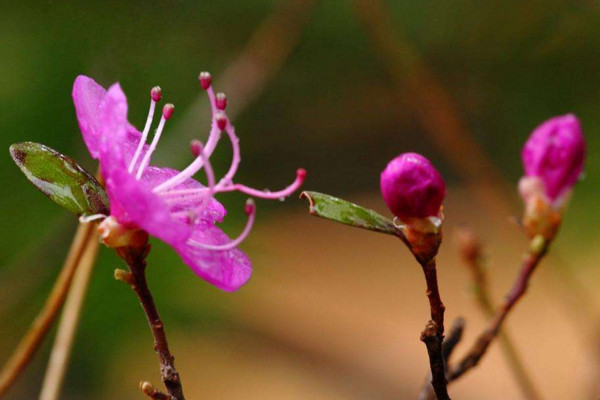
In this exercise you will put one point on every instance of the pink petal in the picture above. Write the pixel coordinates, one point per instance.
(228, 270)
(87, 97)
(134, 204)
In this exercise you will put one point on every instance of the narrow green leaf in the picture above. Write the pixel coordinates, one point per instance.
(342, 211)
(60, 178)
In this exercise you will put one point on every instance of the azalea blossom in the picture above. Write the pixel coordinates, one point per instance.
(163, 202)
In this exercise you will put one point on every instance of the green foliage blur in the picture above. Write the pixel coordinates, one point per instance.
(331, 108)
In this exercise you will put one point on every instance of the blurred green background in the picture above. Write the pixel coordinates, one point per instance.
(339, 88)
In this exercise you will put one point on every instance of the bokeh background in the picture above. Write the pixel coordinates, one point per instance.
(338, 87)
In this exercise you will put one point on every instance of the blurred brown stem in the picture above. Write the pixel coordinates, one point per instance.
(471, 253)
(68, 324)
(136, 261)
(434, 106)
(519, 288)
(42, 323)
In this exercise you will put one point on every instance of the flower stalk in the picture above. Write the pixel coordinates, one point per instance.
(471, 253)
(135, 257)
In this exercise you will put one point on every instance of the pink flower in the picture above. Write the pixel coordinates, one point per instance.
(554, 154)
(412, 188)
(166, 203)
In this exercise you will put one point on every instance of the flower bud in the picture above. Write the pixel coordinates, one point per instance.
(412, 188)
(553, 159)
(555, 154)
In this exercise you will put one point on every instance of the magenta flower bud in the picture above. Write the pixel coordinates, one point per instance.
(555, 153)
(412, 187)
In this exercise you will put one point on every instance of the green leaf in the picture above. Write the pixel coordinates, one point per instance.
(60, 178)
(342, 211)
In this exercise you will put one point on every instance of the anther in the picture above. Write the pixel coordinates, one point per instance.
(221, 120)
(250, 207)
(221, 101)
(167, 111)
(205, 79)
(156, 93)
(197, 147)
(301, 174)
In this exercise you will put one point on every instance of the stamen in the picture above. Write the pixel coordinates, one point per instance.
(166, 114)
(198, 151)
(250, 210)
(84, 219)
(300, 176)
(223, 187)
(155, 96)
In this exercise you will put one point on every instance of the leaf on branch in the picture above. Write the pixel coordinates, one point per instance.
(60, 178)
(342, 211)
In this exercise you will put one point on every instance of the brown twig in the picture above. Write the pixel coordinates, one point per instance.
(519, 288)
(42, 323)
(453, 338)
(135, 257)
(448, 347)
(68, 324)
(433, 342)
(433, 294)
(538, 249)
(471, 253)
(433, 335)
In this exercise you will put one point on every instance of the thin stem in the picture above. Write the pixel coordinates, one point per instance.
(433, 342)
(42, 323)
(448, 347)
(472, 256)
(135, 259)
(65, 335)
(433, 335)
(433, 294)
(519, 288)
(479, 348)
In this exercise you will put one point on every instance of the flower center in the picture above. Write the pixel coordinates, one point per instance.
(190, 203)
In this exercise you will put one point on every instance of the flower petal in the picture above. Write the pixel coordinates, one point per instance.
(228, 270)
(88, 97)
(134, 204)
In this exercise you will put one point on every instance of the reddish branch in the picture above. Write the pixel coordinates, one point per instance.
(471, 252)
(519, 288)
(135, 259)
(433, 294)
(433, 335)
(479, 348)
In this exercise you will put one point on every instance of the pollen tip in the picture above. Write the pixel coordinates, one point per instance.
(221, 101)
(156, 93)
(196, 146)
(250, 207)
(205, 79)
(301, 173)
(167, 111)
(221, 120)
